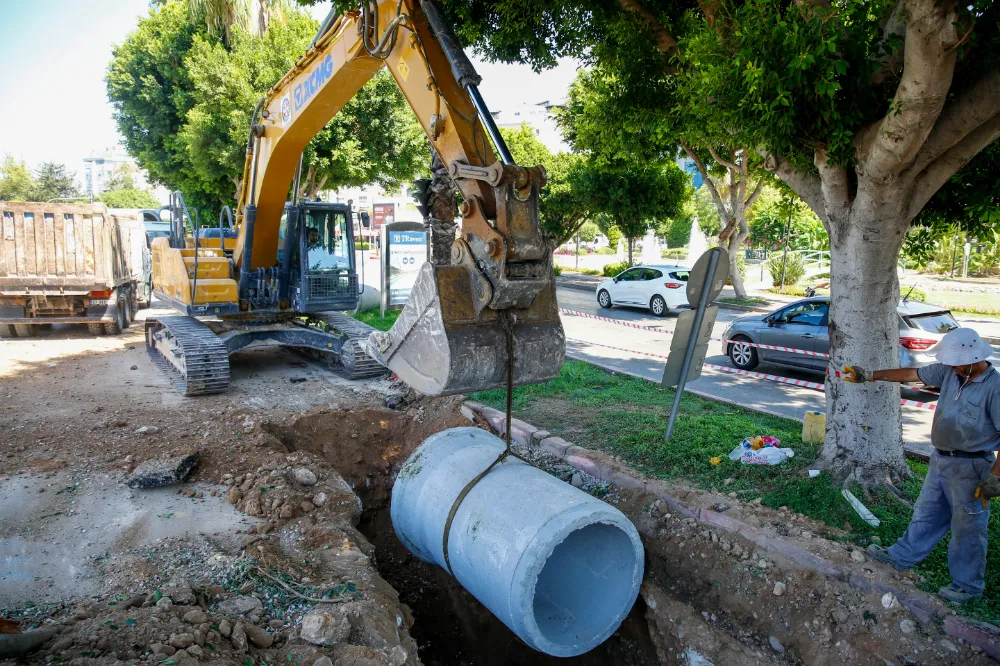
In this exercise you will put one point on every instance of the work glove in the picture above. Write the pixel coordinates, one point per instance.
(988, 488)
(855, 374)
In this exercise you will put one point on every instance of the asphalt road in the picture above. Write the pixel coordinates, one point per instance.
(602, 343)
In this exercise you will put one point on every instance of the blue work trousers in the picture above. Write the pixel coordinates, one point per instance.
(948, 501)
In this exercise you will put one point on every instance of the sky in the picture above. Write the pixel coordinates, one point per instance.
(55, 52)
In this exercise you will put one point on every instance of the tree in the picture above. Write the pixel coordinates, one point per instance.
(864, 109)
(183, 100)
(120, 191)
(16, 182)
(635, 196)
(53, 181)
(250, 16)
(588, 232)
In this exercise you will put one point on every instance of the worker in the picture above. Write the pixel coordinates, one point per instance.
(963, 473)
(313, 238)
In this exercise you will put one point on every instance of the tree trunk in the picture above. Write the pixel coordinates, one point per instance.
(864, 429)
(442, 217)
(734, 247)
(630, 242)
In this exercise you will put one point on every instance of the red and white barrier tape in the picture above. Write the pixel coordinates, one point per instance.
(801, 383)
(619, 322)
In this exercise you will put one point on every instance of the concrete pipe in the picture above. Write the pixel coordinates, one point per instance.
(562, 569)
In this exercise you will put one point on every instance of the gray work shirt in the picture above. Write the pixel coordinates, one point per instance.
(967, 418)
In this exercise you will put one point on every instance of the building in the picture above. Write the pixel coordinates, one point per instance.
(541, 117)
(402, 205)
(101, 166)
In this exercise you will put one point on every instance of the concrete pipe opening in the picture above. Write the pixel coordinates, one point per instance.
(559, 567)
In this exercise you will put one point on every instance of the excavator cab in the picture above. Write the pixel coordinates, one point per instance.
(321, 266)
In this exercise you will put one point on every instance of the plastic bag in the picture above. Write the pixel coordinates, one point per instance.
(767, 456)
(754, 444)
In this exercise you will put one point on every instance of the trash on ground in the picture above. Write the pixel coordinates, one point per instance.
(715, 461)
(761, 450)
(813, 473)
(862, 510)
(754, 444)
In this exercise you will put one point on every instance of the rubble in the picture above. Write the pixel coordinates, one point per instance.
(163, 471)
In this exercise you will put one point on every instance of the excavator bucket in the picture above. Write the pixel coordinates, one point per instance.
(445, 342)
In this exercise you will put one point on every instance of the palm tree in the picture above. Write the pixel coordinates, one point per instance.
(253, 16)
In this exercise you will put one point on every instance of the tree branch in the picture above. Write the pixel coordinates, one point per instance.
(803, 183)
(725, 163)
(960, 117)
(748, 204)
(698, 162)
(664, 40)
(833, 185)
(928, 68)
(937, 174)
(890, 63)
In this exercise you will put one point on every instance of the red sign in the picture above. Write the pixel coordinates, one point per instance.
(382, 214)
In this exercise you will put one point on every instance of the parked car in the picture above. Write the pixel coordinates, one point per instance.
(661, 288)
(803, 325)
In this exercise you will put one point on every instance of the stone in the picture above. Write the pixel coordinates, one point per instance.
(160, 648)
(248, 607)
(147, 430)
(320, 498)
(323, 661)
(196, 616)
(186, 661)
(276, 624)
(62, 644)
(225, 628)
(948, 645)
(398, 656)
(181, 641)
(199, 636)
(779, 589)
(252, 507)
(776, 644)
(304, 476)
(195, 651)
(180, 592)
(889, 601)
(286, 511)
(325, 625)
(164, 602)
(576, 480)
(468, 413)
(306, 506)
(258, 637)
(907, 626)
(239, 637)
(762, 564)
(857, 556)
(163, 471)
(234, 495)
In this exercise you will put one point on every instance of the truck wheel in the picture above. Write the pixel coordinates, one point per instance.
(7, 331)
(96, 328)
(128, 313)
(24, 330)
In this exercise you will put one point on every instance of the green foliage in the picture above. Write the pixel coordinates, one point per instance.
(614, 268)
(590, 271)
(588, 232)
(606, 251)
(702, 207)
(557, 270)
(913, 294)
(525, 147)
(795, 268)
(128, 197)
(613, 233)
(16, 182)
(770, 215)
(675, 253)
(374, 319)
(183, 101)
(53, 181)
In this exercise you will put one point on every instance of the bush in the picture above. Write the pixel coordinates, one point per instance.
(675, 253)
(607, 250)
(361, 246)
(794, 269)
(614, 268)
(557, 270)
(914, 295)
(590, 271)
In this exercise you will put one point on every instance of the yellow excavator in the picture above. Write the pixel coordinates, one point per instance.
(280, 271)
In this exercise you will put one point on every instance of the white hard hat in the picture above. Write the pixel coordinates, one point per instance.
(962, 346)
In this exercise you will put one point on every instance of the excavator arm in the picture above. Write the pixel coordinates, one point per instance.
(493, 307)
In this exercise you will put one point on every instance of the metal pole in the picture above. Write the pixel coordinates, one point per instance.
(578, 252)
(954, 254)
(784, 255)
(706, 289)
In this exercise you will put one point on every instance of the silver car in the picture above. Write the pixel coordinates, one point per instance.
(803, 325)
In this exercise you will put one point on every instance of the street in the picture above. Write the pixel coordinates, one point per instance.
(615, 347)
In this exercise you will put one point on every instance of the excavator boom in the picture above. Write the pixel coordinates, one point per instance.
(495, 298)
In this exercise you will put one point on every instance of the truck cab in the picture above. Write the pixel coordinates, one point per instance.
(321, 269)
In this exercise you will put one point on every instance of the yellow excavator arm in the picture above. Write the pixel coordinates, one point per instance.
(463, 319)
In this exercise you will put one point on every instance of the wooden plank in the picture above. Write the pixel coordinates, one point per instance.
(30, 265)
(59, 241)
(7, 257)
(49, 243)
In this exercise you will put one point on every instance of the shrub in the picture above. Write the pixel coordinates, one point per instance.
(794, 269)
(590, 271)
(614, 268)
(914, 295)
(607, 250)
(675, 253)
(361, 246)
(557, 270)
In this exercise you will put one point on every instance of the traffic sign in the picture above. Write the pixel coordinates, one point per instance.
(698, 276)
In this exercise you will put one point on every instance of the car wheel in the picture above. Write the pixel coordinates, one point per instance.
(7, 331)
(658, 306)
(742, 355)
(604, 298)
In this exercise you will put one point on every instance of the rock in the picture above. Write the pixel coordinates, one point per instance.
(249, 607)
(195, 651)
(239, 637)
(252, 507)
(948, 645)
(62, 644)
(397, 657)
(323, 661)
(857, 556)
(320, 498)
(907, 626)
(325, 625)
(160, 648)
(164, 602)
(468, 413)
(181, 641)
(394, 401)
(306, 506)
(286, 511)
(889, 601)
(762, 564)
(257, 636)
(163, 471)
(196, 616)
(779, 589)
(276, 624)
(199, 635)
(186, 661)
(234, 495)
(225, 628)
(304, 476)
(576, 480)
(147, 430)
(133, 367)
(776, 644)
(180, 592)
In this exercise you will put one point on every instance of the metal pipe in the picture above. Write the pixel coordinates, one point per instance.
(486, 118)
(291, 241)
(327, 22)
(249, 218)
(295, 185)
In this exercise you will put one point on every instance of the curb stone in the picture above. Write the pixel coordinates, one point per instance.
(604, 467)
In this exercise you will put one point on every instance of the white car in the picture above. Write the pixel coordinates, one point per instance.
(661, 288)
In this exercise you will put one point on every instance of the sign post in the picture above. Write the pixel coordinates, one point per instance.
(694, 328)
(404, 250)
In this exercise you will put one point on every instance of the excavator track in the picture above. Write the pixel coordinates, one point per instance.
(355, 362)
(199, 361)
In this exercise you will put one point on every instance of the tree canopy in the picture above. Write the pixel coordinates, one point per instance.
(53, 181)
(183, 100)
(16, 181)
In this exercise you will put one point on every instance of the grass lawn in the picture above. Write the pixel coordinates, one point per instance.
(626, 416)
(971, 303)
(749, 301)
(375, 320)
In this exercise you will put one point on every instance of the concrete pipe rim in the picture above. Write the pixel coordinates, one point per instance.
(615, 594)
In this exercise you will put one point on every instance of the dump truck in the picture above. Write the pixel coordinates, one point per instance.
(70, 264)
